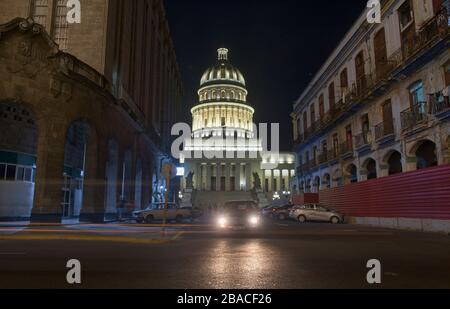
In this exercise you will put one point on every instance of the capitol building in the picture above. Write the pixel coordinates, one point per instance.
(225, 158)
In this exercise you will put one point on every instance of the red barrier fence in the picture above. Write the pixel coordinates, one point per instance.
(420, 194)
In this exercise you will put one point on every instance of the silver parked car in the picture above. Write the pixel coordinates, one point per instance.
(315, 212)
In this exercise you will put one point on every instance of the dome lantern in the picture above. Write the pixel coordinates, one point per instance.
(222, 54)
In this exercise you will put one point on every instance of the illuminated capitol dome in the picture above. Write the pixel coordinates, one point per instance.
(223, 109)
(222, 124)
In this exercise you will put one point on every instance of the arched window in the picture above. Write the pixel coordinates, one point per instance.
(426, 155)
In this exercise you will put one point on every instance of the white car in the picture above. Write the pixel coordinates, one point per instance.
(157, 212)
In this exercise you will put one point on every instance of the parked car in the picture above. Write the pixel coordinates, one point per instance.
(281, 212)
(266, 210)
(239, 214)
(195, 211)
(156, 212)
(316, 212)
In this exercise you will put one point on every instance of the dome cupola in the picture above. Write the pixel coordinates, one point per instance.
(223, 72)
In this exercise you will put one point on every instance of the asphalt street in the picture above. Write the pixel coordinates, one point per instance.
(279, 255)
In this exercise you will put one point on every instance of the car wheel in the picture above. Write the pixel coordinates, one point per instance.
(179, 218)
(149, 219)
(282, 217)
(335, 220)
(301, 219)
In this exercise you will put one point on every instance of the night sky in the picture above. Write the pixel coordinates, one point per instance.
(277, 45)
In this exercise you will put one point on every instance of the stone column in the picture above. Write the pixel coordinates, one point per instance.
(228, 177)
(198, 177)
(50, 169)
(237, 177)
(218, 175)
(248, 176)
(94, 189)
(208, 177)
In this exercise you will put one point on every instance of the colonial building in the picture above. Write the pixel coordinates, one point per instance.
(225, 159)
(86, 109)
(379, 105)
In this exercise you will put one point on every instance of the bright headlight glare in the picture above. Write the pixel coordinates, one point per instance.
(254, 220)
(222, 221)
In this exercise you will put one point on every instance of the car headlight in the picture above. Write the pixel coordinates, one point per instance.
(253, 220)
(222, 221)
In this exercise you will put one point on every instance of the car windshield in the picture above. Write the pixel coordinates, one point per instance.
(239, 207)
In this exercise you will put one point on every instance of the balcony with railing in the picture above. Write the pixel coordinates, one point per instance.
(414, 116)
(346, 149)
(368, 85)
(433, 30)
(384, 129)
(439, 104)
(323, 158)
(313, 164)
(363, 142)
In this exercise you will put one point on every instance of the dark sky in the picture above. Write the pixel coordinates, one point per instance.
(277, 45)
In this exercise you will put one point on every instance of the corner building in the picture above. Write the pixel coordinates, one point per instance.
(86, 109)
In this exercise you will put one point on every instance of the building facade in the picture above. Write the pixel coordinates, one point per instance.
(224, 159)
(379, 106)
(86, 108)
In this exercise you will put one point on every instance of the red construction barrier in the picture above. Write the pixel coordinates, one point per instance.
(420, 194)
(306, 198)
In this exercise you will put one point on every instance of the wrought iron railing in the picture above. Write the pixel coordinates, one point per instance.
(363, 139)
(438, 103)
(435, 28)
(384, 129)
(345, 148)
(414, 115)
(323, 157)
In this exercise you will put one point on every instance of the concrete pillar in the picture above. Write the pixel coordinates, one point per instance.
(93, 209)
(228, 177)
(238, 177)
(208, 177)
(248, 177)
(218, 175)
(50, 169)
(198, 177)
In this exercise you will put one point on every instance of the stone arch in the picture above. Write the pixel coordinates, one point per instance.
(80, 159)
(308, 185)
(316, 184)
(112, 173)
(326, 181)
(338, 179)
(351, 173)
(425, 152)
(126, 181)
(393, 161)
(18, 159)
(369, 168)
(138, 185)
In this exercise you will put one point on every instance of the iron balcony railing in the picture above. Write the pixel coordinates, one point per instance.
(323, 157)
(363, 139)
(413, 116)
(435, 29)
(439, 103)
(384, 129)
(345, 148)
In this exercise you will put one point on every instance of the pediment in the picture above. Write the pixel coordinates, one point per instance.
(25, 47)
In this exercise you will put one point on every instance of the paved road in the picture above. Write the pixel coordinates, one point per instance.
(280, 255)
